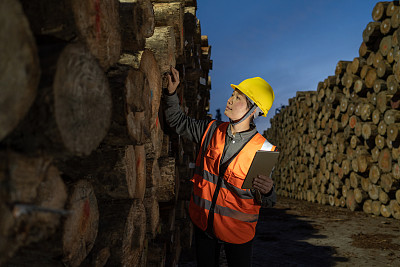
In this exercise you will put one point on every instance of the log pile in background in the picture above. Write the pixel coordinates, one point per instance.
(89, 173)
(340, 145)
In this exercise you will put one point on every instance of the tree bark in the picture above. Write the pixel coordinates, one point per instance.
(146, 62)
(157, 253)
(152, 214)
(122, 228)
(154, 144)
(171, 14)
(33, 187)
(371, 33)
(137, 23)
(140, 189)
(128, 126)
(163, 45)
(70, 244)
(118, 180)
(169, 184)
(153, 174)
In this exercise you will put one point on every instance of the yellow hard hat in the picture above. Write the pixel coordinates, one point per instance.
(258, 90)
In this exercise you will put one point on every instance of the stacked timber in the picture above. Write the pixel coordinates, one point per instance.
(340, 144)
(173, 45)
(90, 175)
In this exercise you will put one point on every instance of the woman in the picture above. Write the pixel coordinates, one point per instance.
(222, 212)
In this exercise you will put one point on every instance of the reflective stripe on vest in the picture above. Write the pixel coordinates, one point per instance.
(224, 211)
(267, 146)
(236, 212)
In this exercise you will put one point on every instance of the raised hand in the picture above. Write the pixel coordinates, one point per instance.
(173, 81)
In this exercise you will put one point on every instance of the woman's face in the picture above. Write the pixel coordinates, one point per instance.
(236, 106)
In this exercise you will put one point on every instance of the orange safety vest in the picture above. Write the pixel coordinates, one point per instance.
(235, 211)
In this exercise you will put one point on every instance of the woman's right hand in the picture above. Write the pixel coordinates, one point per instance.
(173, 81)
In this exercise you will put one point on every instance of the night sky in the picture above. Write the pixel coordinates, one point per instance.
(292, 44)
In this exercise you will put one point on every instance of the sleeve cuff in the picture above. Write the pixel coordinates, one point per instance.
(165, 90)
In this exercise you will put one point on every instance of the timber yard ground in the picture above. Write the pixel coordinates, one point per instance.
(300, 233)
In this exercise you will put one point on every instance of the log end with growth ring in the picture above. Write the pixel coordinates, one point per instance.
(82, 100)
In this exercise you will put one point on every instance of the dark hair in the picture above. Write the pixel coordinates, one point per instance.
(249, 106)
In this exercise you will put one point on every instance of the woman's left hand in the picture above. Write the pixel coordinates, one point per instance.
(263, 183)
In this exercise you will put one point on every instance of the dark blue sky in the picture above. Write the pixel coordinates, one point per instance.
(292, 44)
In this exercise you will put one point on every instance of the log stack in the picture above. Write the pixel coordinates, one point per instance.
(90, 175)
(340, 144)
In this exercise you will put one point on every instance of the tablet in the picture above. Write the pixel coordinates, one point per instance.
(262, 163)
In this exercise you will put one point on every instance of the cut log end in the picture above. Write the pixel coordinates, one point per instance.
(98, 24)
(80, 228)
(83, 113)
